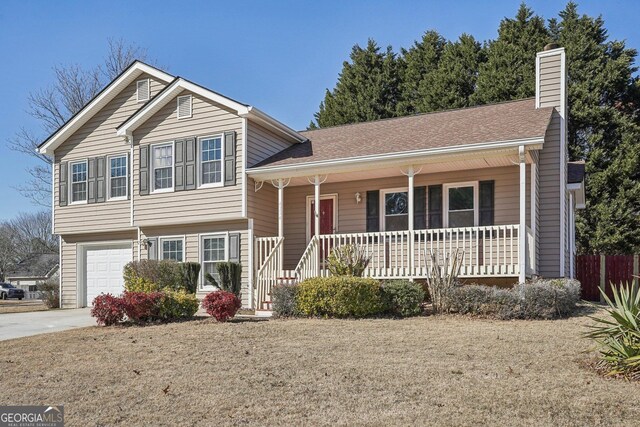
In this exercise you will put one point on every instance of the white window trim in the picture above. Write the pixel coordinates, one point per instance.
(152, 177)
(183, 238)
(108, 167)
(310, 199)
(148, 81)
(476, 200)
(178, 107)
(382, 209)
(199, 166)
(204, 284)
(86, 181)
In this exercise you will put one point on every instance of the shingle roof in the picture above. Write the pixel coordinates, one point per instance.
(35, 265)
(575, 171)
(506, 121)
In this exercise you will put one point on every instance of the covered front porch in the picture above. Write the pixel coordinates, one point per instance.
(483, 205)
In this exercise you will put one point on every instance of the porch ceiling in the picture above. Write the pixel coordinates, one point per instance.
(383, 169)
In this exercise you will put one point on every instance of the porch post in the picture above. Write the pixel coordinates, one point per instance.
(534, 213)
(572, 236)
(410, 175)
(522, 231)
(316, 208)
(280, 207)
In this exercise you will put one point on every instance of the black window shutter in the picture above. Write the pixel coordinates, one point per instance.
(91, 180)
(230, 158)
(101, 179)
(420, 208)
(63, 175)
(152, 248)
(234, 247)
(179, 165)
(487, 197)
(373, 211)
(190, 169)
(129, 185)
(435, 206)
(144, 170)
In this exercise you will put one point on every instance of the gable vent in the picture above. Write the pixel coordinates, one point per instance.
(142, 90)
(184, 106)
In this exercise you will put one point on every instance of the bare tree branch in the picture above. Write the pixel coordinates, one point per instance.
(121, 55)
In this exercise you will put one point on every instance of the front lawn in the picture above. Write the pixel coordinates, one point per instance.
(444, 370)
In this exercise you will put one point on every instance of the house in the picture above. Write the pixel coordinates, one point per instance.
(156, 166)
(33, 270)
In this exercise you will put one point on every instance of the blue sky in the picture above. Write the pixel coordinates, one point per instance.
(277, 55)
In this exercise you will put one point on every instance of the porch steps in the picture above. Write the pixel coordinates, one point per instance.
(265, 308)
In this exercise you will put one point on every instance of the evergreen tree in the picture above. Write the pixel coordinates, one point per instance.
(367, 88)
(453, 82)
(418, 62)
(510, 71)
(603, 130)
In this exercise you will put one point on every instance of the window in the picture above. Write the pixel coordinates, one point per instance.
(461, 205)
(162, 162)
(142, 90)
(395, 209)
(184, 106)
(214, 251)
(79, 182)
(211, 160)
(118, 177)
(172, 248)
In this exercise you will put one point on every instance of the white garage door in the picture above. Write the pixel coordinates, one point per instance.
(103, 270)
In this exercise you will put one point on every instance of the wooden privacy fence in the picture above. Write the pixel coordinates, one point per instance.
(599, 271)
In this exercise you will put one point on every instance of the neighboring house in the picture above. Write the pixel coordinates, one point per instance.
(33, 270)
(159, 167)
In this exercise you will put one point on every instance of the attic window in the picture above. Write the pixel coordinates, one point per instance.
(184, 107)
(142, 90)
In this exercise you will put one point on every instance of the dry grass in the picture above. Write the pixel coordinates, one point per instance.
(16, 306)
(430, 370)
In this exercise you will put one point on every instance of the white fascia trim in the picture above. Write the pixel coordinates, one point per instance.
(168, 94)
(563, 153)
(244, 167)
(537, 141)
(551, 52)
(263, 118)
(88, 111)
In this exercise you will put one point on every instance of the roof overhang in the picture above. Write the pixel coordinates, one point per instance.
(579, 195)
(354, 164)
(179, 85)
(125, 78)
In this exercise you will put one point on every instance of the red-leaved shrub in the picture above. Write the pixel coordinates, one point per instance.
(222, 305)
(108, 310)
(142, 307)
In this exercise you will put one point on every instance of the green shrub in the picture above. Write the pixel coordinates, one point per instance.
(342, 296)
(164, 273)
(538, 299)
(619, 334)
(190, 272)
(178, 305)
(402, 297)
(283, 300)
(140, 284)
(50, 293)
(230, 274)
(347, 260)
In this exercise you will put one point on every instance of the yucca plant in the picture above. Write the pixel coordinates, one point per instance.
(348, 260)
(442, 277)
(619, 335)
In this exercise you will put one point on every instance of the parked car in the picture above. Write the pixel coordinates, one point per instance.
(7, 290)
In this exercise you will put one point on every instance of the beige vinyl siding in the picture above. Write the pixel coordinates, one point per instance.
(262, 143)
(96, 138)
(192, 233)
(549, 172)
(351, 216)
(69, 254)
(201, 204)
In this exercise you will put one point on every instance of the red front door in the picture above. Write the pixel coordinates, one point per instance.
(326, 217)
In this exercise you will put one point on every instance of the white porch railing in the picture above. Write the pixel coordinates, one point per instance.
(488, 251)
(269, 267)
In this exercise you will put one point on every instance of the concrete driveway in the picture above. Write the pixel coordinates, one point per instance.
(17, 325)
